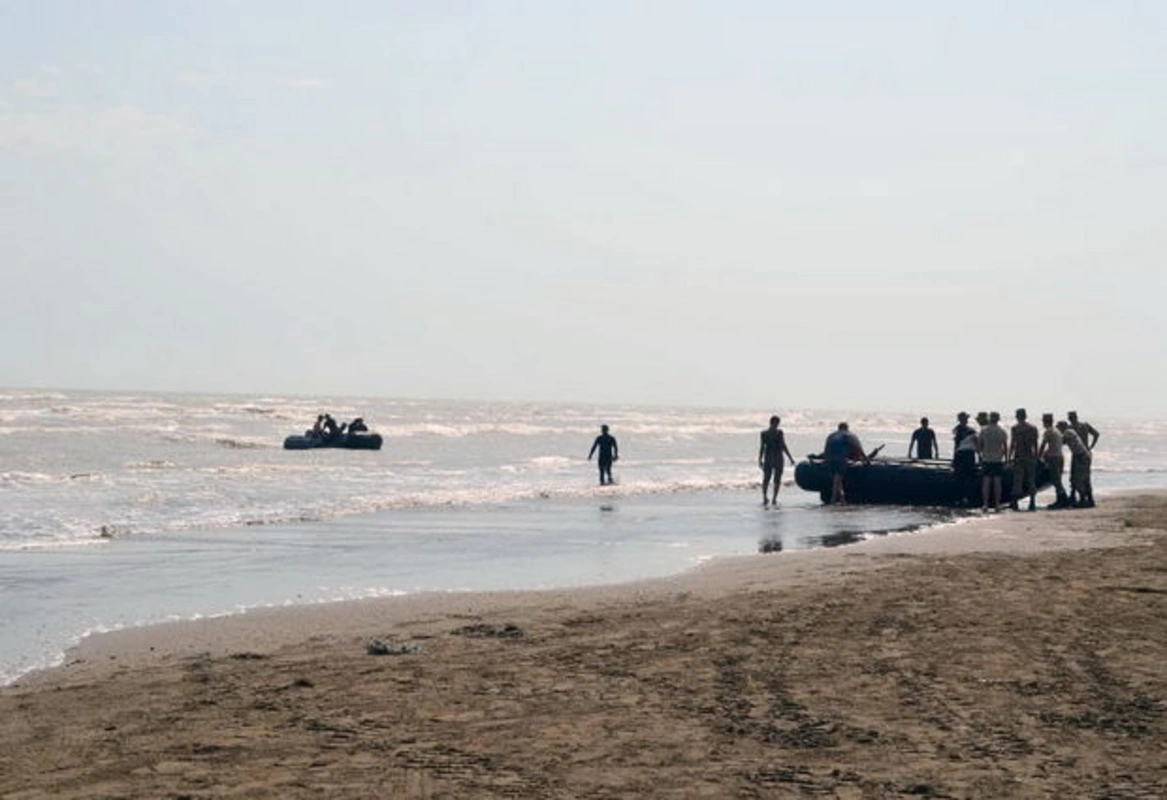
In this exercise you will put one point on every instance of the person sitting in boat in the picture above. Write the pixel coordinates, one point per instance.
(317, 430)
(358, 426)
(331, 429)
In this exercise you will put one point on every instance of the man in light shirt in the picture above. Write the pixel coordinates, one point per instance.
(993, 448)
(1086, 432)
(1080, 459)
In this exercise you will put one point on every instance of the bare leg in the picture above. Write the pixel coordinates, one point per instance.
(837, 495)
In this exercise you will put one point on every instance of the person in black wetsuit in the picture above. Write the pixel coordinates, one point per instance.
(331, 429)
(964, 461)
(770, 458)
(358, 426)
(961, 432)
(924, 440)
(609, 452)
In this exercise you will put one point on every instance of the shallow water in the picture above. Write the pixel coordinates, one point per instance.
(53, 596)
(121, 510)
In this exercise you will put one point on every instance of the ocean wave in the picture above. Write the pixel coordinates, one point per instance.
(139, 518)
(31, 396)
(262, 411)
(542, 463)
(1120, 470)
(458, 431)
(74, 430)
(242, 444)
(61, 540)
(40, 478)
(216, 436)
(262, 469)
(27, 477)
(438, 498)
(551, 461)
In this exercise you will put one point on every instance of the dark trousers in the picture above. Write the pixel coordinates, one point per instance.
(964, 465)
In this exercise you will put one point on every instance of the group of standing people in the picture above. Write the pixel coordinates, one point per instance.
(1022, 447)
(984, 451)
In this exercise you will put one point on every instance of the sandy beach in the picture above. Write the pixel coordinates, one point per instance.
(1020, 655)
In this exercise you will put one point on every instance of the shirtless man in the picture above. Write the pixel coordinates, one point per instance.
(993, 449)
(1050, 451)
(770, 459)
(1089, 436)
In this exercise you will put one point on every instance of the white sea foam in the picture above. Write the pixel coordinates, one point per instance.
(19, 396)
(151, 465)
(156, 463)
(26, 477)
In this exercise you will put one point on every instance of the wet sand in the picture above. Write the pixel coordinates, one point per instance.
(1020, 655)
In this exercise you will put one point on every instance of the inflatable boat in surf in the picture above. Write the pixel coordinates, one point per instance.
(349, 441)
(902, 481)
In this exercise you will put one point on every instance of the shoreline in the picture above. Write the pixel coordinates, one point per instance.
(1013, 655)
(271, 627)
(484, 548)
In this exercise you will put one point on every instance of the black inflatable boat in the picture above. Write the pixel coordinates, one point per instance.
(902, 481)
(350, 441)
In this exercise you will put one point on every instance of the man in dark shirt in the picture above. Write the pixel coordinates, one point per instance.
(770, 458)
(1023, 446)
(841, 447)
(331, 429)
(964, 460)
(924, 440)
(961, 432)
(609, 452)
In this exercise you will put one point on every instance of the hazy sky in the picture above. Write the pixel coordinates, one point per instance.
(891, 205)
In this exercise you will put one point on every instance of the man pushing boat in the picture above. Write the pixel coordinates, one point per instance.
(841, 446)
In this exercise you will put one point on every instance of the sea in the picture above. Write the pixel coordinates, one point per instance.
(122, 509)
